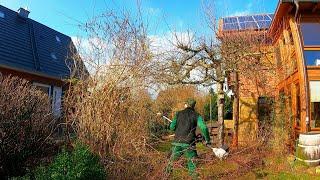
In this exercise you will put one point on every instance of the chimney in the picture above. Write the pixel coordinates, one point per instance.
(23, 13)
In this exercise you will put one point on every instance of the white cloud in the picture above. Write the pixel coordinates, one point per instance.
(167, 41)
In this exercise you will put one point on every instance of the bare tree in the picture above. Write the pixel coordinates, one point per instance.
(212, 59)
(195, 60)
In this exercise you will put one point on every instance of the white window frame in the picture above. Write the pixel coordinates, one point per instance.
(43, 85)
(56, 112)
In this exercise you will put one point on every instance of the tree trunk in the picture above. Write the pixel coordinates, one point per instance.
(235, 109)
(220, 104)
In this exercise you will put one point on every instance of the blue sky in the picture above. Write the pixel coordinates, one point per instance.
(162, 15)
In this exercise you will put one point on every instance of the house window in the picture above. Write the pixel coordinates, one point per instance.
(56, 101)
(1, 14)
(310, 33)
(265, 114)
(315, 103)
(53, 56)
(58, 39)
(312, 57)
(265, 105)
(43, 87)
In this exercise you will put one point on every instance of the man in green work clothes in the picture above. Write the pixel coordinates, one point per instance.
(184, 124)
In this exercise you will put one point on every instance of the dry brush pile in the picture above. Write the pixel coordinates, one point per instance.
(110, 110)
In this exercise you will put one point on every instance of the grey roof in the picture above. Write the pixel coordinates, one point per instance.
(30, 46)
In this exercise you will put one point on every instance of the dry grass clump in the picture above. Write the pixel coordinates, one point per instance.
(25, 125)
(113, 120)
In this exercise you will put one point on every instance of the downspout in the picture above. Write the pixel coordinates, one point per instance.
(297, 9)
(305, 75)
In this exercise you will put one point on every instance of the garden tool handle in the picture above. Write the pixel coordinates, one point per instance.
(164, 117)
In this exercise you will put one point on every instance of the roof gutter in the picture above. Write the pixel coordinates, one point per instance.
(31, 72)
(296, 2)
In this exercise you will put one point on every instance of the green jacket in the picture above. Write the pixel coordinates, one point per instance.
(200, 124)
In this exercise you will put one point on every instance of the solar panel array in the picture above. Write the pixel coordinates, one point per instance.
(258, 22)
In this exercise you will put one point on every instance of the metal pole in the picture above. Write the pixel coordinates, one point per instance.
(211, 92)
(210, 109)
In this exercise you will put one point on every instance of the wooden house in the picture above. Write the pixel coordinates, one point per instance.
(296, 36)
(293, 33)
(33, 51)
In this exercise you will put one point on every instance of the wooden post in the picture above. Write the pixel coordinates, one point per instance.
(301, 71)
(220, 104)
(235, 109)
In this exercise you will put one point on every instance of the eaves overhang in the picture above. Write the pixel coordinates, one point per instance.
(283, 8)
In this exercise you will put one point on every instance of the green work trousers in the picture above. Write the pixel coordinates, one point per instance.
(188, 151)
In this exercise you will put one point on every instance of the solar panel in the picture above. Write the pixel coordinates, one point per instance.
(260, 21)
(264, 24)
(230, 26)
(248, 25)
(261, 18)
(245, 18)
(271, 16)
(230, 20)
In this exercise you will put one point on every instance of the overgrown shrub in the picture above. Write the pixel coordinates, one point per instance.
(282, 138)
(110, 110)
(25, 118)
(78, 164)
(113, 122)
(158, 129)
